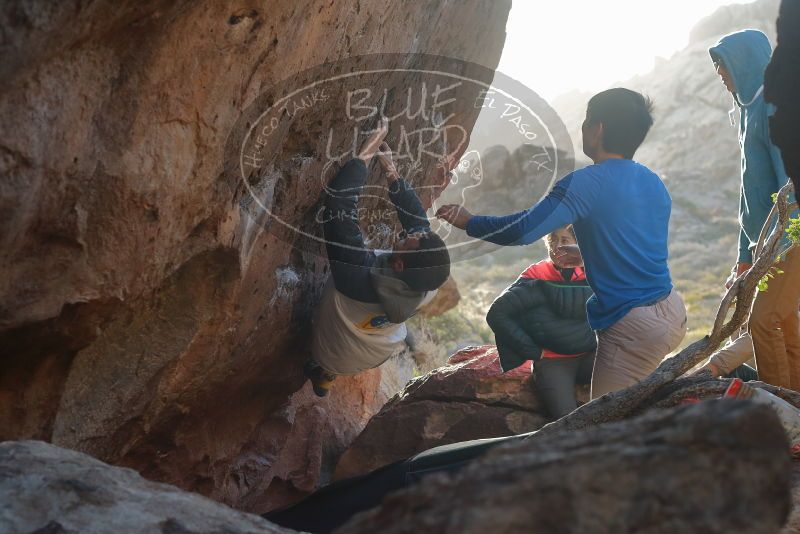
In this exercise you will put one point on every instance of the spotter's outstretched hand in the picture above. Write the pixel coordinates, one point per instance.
(456, 215)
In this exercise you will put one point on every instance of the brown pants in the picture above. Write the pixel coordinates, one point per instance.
(632, 348)
(775, 328)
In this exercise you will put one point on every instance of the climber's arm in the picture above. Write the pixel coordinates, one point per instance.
(403, 196)
(348, 256)
(409, 208)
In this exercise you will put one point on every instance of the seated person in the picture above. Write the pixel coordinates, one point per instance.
(729, 361)
(360, 322)
(542, 317)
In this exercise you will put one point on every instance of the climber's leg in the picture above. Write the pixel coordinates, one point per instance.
(321, 380)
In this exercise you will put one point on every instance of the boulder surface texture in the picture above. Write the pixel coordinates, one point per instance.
(145, 318)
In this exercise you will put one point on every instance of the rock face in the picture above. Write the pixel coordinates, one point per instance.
(793, 523)
(48, 489)
(144, 318)
(716, 467)
(446, 299)
(469, 398)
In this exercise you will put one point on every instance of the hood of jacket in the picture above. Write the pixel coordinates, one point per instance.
(399, 301)
(547, 270)
(746, 54)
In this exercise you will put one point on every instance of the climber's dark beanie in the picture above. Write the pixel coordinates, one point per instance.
(428, 267)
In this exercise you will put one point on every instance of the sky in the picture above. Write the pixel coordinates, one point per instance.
(591, 43)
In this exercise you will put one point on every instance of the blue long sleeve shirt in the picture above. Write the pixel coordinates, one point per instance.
(620, 210)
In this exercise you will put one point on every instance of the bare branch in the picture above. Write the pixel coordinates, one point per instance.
(762, 236)
(704, 387)
(765, 259)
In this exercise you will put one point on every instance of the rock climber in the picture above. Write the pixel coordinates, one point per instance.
(360, 322)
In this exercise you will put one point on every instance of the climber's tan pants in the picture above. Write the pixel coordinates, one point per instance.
(632, 348)
(775, 328)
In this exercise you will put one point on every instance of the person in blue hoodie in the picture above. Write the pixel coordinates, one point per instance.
(740, 59)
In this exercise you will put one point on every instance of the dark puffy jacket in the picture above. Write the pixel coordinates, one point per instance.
(534, 314)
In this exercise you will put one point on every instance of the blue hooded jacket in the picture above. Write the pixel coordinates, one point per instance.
(746, 54)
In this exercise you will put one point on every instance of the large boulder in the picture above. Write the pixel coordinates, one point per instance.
(446, 298)
(145, 317)
(47, 489)
(793, 523)
(469, 398)
(716, 467)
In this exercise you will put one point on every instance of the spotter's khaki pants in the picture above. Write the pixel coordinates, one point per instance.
(632, 348)
(775, 328)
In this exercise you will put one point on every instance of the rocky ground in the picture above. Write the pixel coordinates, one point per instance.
(149, 321)
(48, 489)
(690, 469)
(468, 398)
(717, 466)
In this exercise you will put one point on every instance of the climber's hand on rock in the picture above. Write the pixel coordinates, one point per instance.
(387, 163)
(568, 256)
(370, 147)
(456, 215)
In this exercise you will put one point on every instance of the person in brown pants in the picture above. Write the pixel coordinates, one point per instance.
(740, 59)
(781, 80)
(775, 326)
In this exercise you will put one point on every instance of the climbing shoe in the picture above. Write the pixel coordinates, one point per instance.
(321, 380)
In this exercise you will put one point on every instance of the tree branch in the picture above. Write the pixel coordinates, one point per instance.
(704, 387)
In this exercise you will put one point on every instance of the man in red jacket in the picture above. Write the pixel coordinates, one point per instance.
(542, 317)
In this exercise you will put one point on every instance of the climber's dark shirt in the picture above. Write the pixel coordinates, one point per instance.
(349, 257)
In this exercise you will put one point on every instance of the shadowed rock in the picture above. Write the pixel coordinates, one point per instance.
(47, 489)
(146, 316)
(716, 467)
(469, 398)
